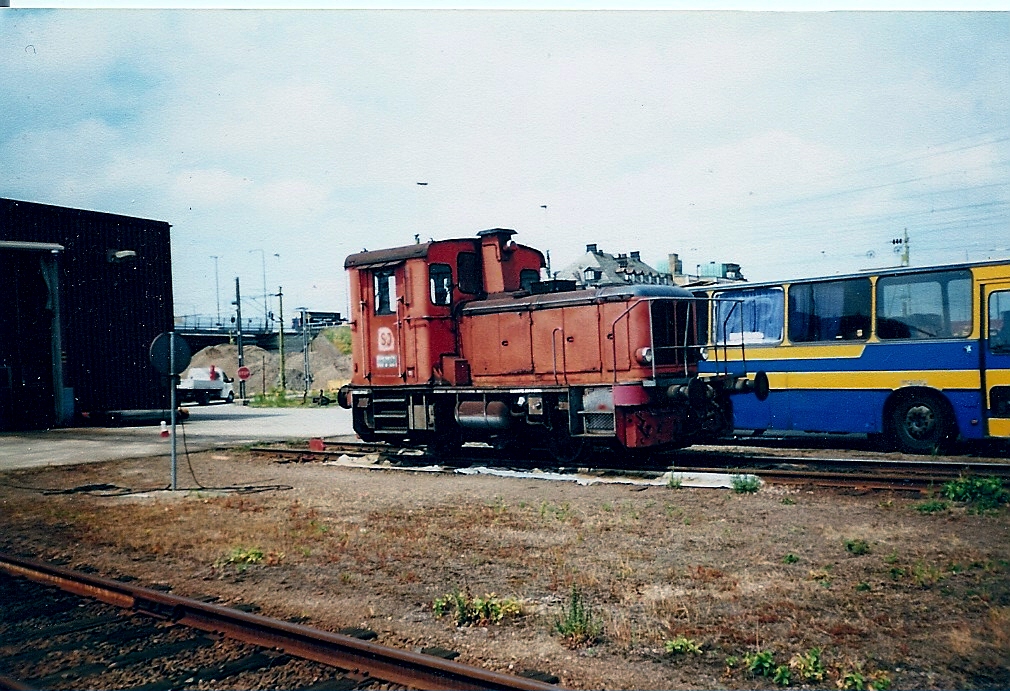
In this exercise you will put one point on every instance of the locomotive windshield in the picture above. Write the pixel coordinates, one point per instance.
(385, 291)
(676, 325)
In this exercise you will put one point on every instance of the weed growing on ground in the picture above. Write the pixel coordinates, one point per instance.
(745, 484)
(808, 666)
(682, 645)
(469, 611)
(788, 501)
(790, 559)
(761, 663)
(931, 506)
(675, 481)
(980, 494)
(857, 547)
(576, 623)
(856, 680)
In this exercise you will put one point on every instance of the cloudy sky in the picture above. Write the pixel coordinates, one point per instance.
(794, 144)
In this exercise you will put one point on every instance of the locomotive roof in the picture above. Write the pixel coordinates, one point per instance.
(388, 256)
(584, 296)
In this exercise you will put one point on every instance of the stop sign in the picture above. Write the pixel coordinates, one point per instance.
(243, 373)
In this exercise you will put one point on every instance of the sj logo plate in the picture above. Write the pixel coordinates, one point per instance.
(385, 339)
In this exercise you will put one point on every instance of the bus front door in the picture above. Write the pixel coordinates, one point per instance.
(996, 358)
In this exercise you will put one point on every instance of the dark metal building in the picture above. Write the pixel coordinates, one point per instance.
(82, 295)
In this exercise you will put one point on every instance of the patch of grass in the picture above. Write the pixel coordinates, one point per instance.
(863, 587)
(788, 501)
(980, 494)
(745, 484)
(675, 481)
(468, 611)
(790, 559)
(577, 624)
(339, 336)
(682, 645)
(857, 547)
(241, 558)
(931, 506)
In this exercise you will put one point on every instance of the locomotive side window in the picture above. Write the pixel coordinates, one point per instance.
(468, 273)
(527, 277)
(924, 306)
(440, 280)
(830, 311)
(758, 319)
(385, 291)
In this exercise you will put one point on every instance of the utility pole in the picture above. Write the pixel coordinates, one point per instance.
(238, 336)
(280, 313)
(905, 249)
(306, 339)
(266, 298)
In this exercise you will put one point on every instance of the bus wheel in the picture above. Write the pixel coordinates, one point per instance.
(920, 424)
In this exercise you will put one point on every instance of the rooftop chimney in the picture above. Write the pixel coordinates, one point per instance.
(591, 248)
(636, 256)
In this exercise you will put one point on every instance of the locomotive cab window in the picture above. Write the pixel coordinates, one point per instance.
(385, 291)
(440, 280)
(924, 306)
(830, 311)
(468, 273)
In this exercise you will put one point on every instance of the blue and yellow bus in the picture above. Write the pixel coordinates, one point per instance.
(920, 355)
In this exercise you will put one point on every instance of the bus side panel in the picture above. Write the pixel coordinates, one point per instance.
(836, 410)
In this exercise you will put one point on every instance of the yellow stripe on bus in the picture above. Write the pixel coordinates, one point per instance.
(999, 427)
(791, 352)
(935, 379)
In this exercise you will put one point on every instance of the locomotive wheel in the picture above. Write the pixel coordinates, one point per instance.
(445, 444)
(566, 449)
(920, 423)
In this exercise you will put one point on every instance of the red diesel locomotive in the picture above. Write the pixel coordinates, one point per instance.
(459, 340)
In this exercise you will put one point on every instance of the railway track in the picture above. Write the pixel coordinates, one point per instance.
(881, 473)
(62, 628)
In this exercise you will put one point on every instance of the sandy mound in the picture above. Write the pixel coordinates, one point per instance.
(328, 367)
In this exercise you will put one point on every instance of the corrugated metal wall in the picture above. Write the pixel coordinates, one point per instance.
(110, 310)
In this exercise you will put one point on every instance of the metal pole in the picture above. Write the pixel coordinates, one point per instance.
(238, 336)
(172, 382)
(217, 290)
(280, 313)
(306, 337)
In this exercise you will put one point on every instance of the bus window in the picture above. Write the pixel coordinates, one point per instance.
(385, 291)
(440, 280)
(999, 322)
(830, 311)
(758, 319)
(924, 306)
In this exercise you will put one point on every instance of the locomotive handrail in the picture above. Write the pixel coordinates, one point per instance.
(652, 341)
(725, 341)
(554, 353)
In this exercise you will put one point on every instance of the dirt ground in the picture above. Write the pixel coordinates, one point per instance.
(890, 594)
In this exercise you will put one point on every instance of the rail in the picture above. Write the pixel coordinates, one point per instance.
(415, 670)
